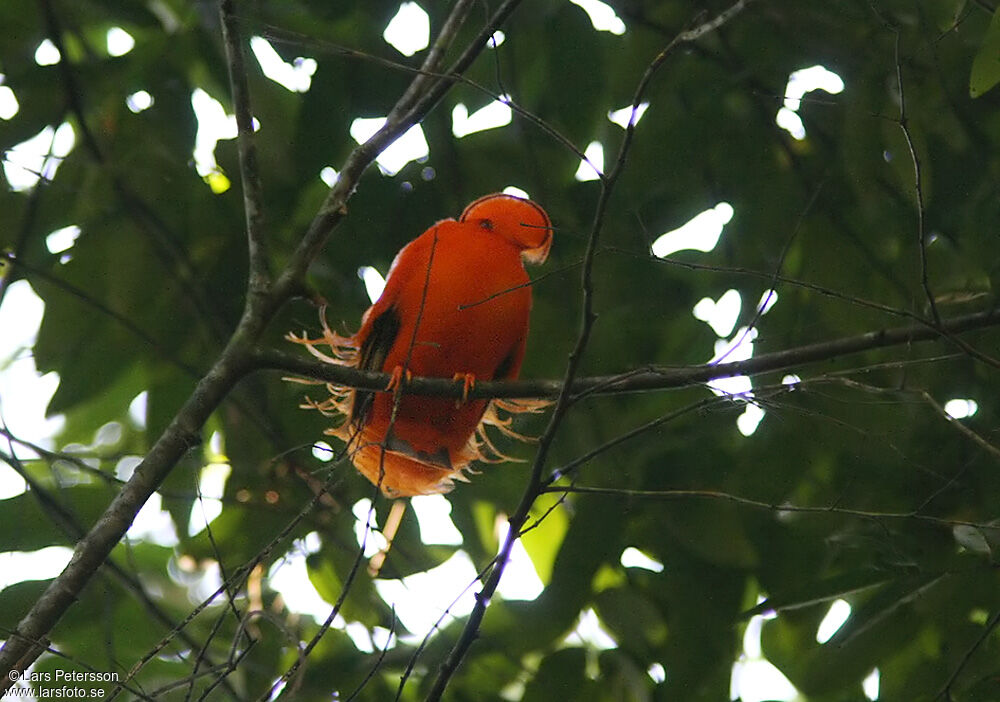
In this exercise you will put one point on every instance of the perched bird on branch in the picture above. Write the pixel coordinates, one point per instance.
(455, 305)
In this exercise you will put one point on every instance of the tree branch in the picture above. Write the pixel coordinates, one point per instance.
(432, 63)
(991, 626)
(918, 188)
(86, 298)
(640, 380)
(759, 504)
(249, 171)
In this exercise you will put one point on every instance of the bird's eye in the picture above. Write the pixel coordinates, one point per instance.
(486, 224)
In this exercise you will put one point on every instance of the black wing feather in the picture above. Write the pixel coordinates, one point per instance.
(506, 365)
(374, 350)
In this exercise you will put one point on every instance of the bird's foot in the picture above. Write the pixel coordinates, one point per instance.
(468, 382)
(396, 380)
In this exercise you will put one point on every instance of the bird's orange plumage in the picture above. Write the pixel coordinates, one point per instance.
(455, 305)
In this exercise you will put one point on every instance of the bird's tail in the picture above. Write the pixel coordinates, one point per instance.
(399, 475)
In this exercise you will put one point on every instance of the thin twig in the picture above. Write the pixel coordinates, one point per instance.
(759, 504)
(761, 307)
(436, 626)
(235, 581)
(213, 632)
(925, 396)
(794, 282)
(902, 121)
(530, 284)
(139, 694)
(433, 61)
(965, 431)
(571, 467)
(904, 126)
(378, 661)
(94, 548)
(991, 626)
(8, 269)
(169, 247)
(249, 170)
(68, 523)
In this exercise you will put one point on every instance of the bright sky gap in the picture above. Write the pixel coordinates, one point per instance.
(799, 83)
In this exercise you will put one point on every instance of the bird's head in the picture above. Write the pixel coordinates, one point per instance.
(519, 221)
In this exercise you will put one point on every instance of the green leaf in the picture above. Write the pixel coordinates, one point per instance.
(328, 571)
(817, 592)
(943, 13)
(543, 542)
(986, 65)
(877, 627)
(29, 525)
(16, 601)
(561, 675)
(634, 620)
(156, 283)
(712, 530)
(409, 554)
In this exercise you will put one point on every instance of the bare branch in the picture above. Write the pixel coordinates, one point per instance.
(762, 306)
(334, 611)
(965, 431)
(918, 188)
(571, 467)
(249, 170)
(378, 661)
(69, 524)
(758, 504)
(96, 304)
(991, 626)
(434, 60)
(235, 581)
(436, 626)
(639, 380)
(168, 246)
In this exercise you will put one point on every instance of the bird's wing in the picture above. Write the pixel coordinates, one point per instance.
(383, 320)
(379, 337)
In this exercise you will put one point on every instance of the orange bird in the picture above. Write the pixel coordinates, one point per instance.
(455, 305)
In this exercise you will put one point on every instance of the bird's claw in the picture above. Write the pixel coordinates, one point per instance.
(396, 380)
(468, 382)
